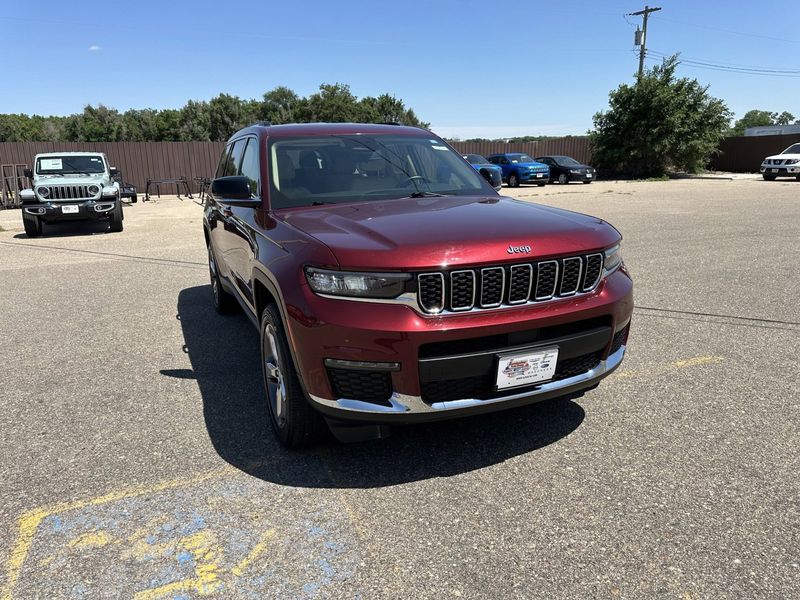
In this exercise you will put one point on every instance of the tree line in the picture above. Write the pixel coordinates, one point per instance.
(213, 120)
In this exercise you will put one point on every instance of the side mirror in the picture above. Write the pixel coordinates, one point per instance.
(234, 190)
(27, 173)
(114, 171)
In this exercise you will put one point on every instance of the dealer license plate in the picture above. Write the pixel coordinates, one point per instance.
(69, 209)
(514, 370)
(540, 175)
(588, 176)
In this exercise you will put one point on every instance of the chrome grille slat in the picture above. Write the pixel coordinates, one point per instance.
(546, 279)
(523, 284)
(571, 269)
(493, 281)
(69, 192)
(462, 286)
(519, 287)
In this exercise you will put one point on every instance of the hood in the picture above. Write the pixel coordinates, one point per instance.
(423, 233)
(534, 165)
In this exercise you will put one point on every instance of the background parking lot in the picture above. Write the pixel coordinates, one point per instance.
(137, 460)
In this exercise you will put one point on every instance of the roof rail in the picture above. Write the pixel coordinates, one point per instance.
(261, 123)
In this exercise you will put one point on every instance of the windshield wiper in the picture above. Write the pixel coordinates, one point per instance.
(420, 194)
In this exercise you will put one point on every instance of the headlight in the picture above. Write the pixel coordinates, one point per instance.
(791, 161)
(359, 285)
(93, 189)
(576, 171)
(44, 192)
(613, 260)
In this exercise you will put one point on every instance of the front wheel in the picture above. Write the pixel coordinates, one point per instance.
(540, 184)
(562, 179)
(32, 224)
(513, 181)
(115, 219)
(294, 421)
(769, 177)
(586, 182)
(224, 302)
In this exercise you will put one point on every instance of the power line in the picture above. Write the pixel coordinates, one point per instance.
(728, 68)
(731, 31)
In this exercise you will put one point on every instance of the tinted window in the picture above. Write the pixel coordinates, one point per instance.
(793, 149)
(223, 161)
(358, 168)
(250, 168)
(232, 165)
(69, 163)
(475, 159)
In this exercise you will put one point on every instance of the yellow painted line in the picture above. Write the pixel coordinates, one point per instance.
(696, 361)
(30, 520)
(205, 552)
(93, 539)
(254, 554)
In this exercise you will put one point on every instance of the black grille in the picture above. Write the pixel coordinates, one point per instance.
(491, 287)
(370, 386)
(571, 367)
(546, 280)
(68, 192)
(594, 268)
(431, 292)
(482, 387)
(492, 281)
(619, 339)
(519, 287)
(462, 289)
(571, 276)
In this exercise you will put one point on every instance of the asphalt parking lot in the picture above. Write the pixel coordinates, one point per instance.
(137, 461)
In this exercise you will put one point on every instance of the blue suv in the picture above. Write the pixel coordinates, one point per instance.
(520, 168)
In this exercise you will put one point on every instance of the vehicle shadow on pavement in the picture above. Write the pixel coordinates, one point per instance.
(69, 229)
(224, 354)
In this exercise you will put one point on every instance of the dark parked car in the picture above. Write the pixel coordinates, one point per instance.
(391, 284)
(520, 168)
(564, 169)
(492, 173)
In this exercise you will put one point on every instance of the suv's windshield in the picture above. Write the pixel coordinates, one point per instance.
(793, 149)
(61, 165)
(520, 158)
(358, 168)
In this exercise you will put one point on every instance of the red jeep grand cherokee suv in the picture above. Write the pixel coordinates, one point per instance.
(391, 284)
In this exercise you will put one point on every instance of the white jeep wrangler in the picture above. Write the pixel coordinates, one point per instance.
(71, 186)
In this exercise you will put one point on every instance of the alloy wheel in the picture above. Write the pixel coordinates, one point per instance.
(274, 380)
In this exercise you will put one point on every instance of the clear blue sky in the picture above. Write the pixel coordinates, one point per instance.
(471, 68)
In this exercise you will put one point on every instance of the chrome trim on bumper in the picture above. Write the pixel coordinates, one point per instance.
(405, 404)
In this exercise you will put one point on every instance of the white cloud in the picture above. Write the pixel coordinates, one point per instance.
(504, 131)
(94, 48)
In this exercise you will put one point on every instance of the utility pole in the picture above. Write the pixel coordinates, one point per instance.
(642, 39)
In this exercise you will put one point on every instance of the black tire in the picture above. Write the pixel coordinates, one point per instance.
(513, 180)
(540, 184)
(797, 177)
(769, 177)
(115, 219)
(134, 199)
(562, 179)
(224, 302)
(586, 182)
(294, 421)
(32, 224)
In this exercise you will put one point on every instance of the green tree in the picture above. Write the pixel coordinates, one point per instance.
(785, 118)
(96, 124)
(659, 123)
(760, 118)
(333, 103)
(280, 105)
(195, 122)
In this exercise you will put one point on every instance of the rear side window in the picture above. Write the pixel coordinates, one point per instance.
(250, 167)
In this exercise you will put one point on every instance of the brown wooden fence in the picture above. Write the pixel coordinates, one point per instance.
(138, 161)
(744, 154)
(577, 147)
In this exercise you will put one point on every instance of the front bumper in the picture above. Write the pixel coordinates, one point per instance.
(787, 171)
(537, 177)
(51, 212)
(583, 176)
(400, 338)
